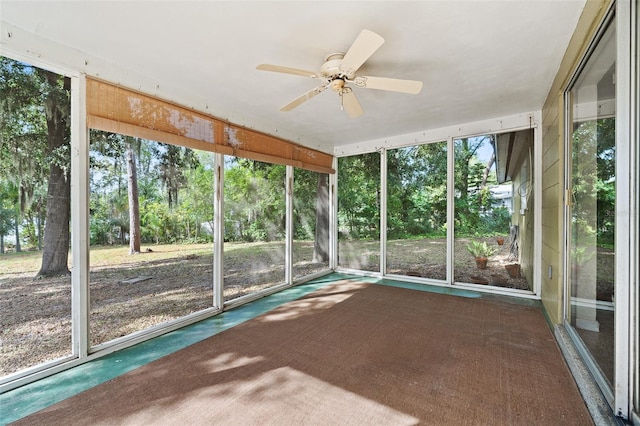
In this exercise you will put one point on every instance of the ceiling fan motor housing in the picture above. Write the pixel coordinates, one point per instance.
(331, 67)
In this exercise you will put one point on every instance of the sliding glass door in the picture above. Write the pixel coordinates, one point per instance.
(591, 230)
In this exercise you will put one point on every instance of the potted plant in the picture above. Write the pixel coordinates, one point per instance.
(500, 240)
(513, 269)
(481, 252)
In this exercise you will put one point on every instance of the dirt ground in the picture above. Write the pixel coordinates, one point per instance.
(127, 293)
(132, 293)
(427, 258)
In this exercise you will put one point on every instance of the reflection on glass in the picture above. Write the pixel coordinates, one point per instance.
(493, 210)
(35, 284)
(151, 213)
(254, 226)
(310, 222)
(592, 211)
(359, 212)
(417, 211)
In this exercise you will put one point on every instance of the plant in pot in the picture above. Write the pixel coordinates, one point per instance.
(500, 240)
(481, 252)
(513, 269)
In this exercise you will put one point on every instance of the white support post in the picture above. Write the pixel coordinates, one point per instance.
(537, 203)
(288, 251)
(79, 218)
(634, 275)
(383, 211)
(450, 208)
(623, 239)
(333, 217)
(218, 232)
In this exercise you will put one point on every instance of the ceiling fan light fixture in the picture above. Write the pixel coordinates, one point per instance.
(337, 85)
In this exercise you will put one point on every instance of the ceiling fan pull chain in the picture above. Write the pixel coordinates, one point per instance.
(341, 100)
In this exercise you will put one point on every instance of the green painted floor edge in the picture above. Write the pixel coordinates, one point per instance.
(28, 399)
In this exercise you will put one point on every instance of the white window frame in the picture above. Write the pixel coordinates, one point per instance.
(499, 125)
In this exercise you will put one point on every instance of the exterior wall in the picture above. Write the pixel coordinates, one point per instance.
(524, 221)
(553, 159)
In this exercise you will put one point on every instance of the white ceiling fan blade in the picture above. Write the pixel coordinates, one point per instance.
(351, 104)
(362, 48)
(300, 99)
(286, 70)
(392, 84)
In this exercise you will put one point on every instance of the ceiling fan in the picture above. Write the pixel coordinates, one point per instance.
(339, 69)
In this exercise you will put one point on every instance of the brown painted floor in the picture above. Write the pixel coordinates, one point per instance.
(351, 353)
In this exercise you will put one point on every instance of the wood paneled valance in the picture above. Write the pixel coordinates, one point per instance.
(116, 109)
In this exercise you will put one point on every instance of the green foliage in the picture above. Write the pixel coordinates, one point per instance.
(254, 200)
(305, 185)
(25, 154)
(476, 213)
(175, 191)
(359, 196)
(593, 182)
(480, 249)
(417, 191)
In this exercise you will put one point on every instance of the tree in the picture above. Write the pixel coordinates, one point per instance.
(31, 100)
(174, 160)
(321, 240)
(254, 200)
(134, 205)
(487, 170)
(8, 198)
(57, 91)
(417, 191)
(469, 172)
(22, 139)
(198, 200)
(359, 196)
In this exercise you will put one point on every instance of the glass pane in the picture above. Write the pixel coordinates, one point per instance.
(151, 216)
(310, 222)
(493, 238)
(359, 212)
(35, 284)
(254, 226)
(592, 211)
(417, 211)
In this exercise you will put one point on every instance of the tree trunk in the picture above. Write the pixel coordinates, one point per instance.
(321, 243)
(485, 176)
(56, 233)
(17, 232)
(39, 222)
(487, 170)
(134, 205)
(463, 207)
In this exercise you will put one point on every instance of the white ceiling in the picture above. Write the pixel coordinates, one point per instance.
(478, 59)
